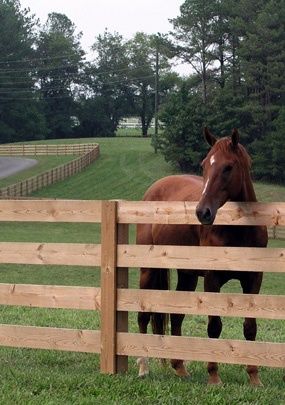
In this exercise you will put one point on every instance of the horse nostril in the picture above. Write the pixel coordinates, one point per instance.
(207, 214)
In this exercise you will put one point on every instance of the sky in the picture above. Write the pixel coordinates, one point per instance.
(123, 16)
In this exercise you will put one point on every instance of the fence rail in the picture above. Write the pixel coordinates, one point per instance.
(114, 299)
(87, 153)
(37, 149)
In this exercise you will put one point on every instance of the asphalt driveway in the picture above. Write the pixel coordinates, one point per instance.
(12, 165)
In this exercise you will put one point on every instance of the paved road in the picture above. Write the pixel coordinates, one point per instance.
(12, 165)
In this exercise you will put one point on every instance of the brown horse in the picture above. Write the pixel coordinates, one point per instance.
(226, 177)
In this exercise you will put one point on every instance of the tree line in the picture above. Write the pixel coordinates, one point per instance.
(48, 88)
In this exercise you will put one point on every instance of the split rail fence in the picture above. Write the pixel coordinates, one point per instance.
(114, 299)
(87, 153)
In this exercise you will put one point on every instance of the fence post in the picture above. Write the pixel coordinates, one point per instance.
(274, 232)
(108, 287)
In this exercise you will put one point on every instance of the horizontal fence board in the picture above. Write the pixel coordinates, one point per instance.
(181, 257)
(51, 296)
(202, 349)
(70, 149)
(50, 210)
(69, 254)
(201, 303)
(75, 340)
(198, 303)
(177, 212)
(202, 258)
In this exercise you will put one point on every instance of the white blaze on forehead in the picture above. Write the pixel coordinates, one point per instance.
(212, 160)
(205, 187)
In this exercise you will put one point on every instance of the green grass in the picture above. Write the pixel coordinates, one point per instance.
(126, 167)
(132, 132)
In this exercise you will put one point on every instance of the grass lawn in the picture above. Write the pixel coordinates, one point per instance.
(126, 167)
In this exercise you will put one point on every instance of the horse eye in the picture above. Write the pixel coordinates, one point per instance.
(227, 169)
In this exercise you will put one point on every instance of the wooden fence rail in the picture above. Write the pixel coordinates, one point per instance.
(114, 299)
(87, 153)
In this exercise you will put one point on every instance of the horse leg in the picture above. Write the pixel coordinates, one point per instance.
(186, 282)
(213, 283)
(251, 286)
(146, 282)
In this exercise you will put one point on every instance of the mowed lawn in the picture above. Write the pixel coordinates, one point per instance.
(126, 167)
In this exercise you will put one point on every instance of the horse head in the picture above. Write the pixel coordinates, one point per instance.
(224, 172)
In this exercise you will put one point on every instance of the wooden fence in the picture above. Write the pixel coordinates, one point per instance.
(114, 299)
(87, 153)
(276, 232)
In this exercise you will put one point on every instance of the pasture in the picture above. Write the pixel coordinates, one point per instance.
(30, 376)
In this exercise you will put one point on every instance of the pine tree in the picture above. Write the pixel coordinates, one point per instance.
(60, 61)
(20, 113)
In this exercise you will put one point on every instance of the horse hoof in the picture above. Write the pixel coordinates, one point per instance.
(143, 367)
(182, 373)
(214, 380)
(143, 376)
(255, 382)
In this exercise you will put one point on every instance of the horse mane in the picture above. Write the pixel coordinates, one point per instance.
(225, 145)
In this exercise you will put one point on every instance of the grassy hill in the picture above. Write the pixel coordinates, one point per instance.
(126, 168)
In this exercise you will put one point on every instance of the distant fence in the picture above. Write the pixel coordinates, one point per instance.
(87, 154)
(276, 232)
(114, 299)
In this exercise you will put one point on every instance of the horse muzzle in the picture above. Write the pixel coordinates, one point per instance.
(205, 215)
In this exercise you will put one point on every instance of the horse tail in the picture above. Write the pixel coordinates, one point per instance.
(160, 321)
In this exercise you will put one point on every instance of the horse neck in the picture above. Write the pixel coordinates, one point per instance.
(247, 192)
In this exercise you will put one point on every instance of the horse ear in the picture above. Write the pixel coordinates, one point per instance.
(235, 137)
(209, 137)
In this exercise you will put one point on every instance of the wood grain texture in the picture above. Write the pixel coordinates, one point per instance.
(177, 212)
(108, 286)
(200, 303)
(202, 258)
(202, 349)
(191, 303)
(69, 254)
(50, 210)
(51, 296)
(33, 337)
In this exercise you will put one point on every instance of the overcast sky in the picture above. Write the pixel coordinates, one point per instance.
(124, 16)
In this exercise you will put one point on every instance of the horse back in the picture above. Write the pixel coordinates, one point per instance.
(175, 188)
(172, 188)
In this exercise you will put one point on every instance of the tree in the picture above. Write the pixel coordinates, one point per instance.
(263, 57)
(60, 63)
(20, 113)
(142, 77)
(183, 117)
(107, 86)
(147, 64)
(268, 152)
(192, 38)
